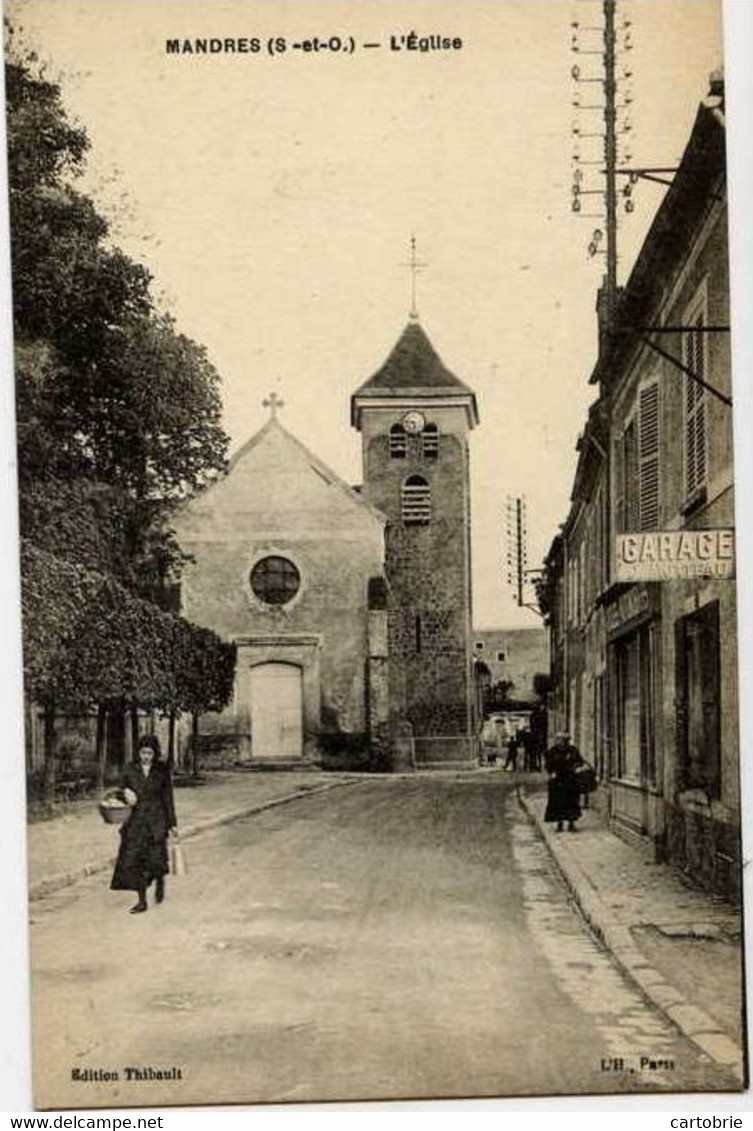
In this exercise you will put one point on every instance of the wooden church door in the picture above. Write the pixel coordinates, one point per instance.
(276, 711)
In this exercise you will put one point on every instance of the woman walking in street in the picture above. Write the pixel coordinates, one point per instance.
(142, 857)
(563, 803)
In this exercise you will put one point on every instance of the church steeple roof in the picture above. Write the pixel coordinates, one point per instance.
(413, 363)
(414, 369)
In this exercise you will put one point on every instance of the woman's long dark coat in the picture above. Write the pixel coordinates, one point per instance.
(143, 838)
(563, 803)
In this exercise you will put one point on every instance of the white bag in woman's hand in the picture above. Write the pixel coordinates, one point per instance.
(178, 865)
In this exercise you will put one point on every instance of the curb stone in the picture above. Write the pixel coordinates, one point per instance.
(692, 1022)
(52, 884)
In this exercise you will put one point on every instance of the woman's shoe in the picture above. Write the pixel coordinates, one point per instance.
(159, 889)
(138, 907)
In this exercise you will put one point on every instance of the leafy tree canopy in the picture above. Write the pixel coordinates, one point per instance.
(108, 389)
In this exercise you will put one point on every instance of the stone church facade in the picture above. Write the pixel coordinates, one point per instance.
(414, 417)
(351, 608)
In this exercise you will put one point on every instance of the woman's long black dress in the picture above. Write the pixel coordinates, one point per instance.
(563, 802)
(143, 838)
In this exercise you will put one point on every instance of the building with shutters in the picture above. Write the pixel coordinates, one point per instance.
(645, 671)
(351, 608)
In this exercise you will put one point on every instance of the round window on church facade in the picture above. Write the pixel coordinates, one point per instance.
(275, 580)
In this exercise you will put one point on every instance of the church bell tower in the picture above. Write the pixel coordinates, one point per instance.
(414, 417)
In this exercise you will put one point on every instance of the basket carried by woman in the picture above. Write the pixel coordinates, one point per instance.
(114, 808)
(148, 790)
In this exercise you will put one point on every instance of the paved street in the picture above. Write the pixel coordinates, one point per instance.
(387, 939)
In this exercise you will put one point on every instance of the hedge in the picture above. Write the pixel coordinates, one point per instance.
(88, 640)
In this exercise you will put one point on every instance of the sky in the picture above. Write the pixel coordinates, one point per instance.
(274, 197)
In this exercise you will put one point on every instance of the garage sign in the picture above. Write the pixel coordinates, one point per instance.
(667, 555)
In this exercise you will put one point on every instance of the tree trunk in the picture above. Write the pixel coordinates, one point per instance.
(134, 713)
(116, 734)
(171, 741)
(101, 745)
(195, 743)
(50, 752)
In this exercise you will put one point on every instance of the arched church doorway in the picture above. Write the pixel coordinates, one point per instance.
(276, 711)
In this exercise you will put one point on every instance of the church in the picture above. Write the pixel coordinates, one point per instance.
(350, 607)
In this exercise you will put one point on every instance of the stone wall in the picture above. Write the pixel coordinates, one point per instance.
(428, 568)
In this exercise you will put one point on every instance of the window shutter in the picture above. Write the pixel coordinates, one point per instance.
(630, 471)
(695, 410)
(648, 456)
(619, 487)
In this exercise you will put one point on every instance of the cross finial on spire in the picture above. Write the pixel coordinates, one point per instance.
(415, 264)
(273, 402)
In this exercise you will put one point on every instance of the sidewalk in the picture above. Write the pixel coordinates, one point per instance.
(67, 848)
(681, 945)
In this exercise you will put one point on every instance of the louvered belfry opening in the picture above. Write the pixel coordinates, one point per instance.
(430, 441)
(398, 442)
(416, 501)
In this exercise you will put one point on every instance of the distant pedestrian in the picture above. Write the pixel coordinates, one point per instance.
(513, 748)
(563, 803)
(537, 723)
(142, 857)
(530, 753)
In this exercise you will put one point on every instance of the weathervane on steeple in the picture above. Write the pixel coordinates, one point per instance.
(415, 264)
(273, 402)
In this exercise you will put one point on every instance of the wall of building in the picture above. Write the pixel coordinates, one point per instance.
(516, 654)
(428, 568)
(646, 672)
(274, 501)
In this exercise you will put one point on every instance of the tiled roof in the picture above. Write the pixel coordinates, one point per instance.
(413, 365)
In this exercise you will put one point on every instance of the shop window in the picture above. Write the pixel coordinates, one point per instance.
(416, 501)
(698, 710)
(636, 706)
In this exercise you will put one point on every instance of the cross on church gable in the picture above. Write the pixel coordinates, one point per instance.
(273, 402)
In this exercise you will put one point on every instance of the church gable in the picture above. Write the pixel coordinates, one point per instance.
(275, 483)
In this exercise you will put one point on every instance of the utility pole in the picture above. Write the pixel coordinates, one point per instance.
(519, 577)
(610, 156)
(605, 42)
(520, 547)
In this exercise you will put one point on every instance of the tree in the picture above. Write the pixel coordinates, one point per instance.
(88, 643)
(108, 391)
(119, 419)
